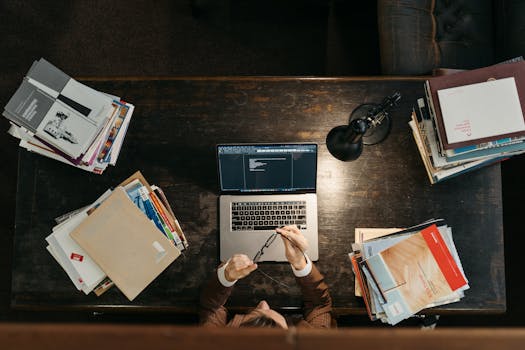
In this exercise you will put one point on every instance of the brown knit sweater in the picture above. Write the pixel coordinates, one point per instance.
(317, 311)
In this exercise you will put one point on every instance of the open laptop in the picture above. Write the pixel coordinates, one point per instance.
(264, 186)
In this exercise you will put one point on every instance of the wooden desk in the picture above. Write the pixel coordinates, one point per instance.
(172, 138)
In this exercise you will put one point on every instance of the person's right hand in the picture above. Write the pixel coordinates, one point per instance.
(295, 244)
(239, 266)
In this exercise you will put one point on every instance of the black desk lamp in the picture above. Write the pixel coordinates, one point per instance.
(369, 124)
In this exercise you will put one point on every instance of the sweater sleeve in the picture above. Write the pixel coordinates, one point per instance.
(212, 299)
(317, 310)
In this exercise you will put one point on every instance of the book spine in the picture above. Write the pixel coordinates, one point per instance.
(368, 272)
(462, 169)
(433, 117)
(429, 136)
(113, 133)
(167, 206)
(364, 288)
(493, 151)
(156, 203)
(422, 153)
(172, 233)
(152, 213)
(96, 146)
(119, 139)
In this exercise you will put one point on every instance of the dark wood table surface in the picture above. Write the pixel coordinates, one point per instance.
(172, 138)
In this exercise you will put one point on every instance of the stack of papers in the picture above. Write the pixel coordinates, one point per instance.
(85, 274)
(134, 223)
(468, 120)
(56, 116)
(400, 272)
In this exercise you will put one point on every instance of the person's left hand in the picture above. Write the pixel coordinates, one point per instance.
(239, 266)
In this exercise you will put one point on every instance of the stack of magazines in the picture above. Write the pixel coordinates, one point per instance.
(470, 119)
(61, 118)
(97, 250)
(399, 272)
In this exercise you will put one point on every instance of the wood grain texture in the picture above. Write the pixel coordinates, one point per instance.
(130, 337)
(172, 138)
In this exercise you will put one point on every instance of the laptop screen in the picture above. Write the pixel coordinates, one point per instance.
(267, 167)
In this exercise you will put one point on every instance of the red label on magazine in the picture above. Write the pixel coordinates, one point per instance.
(77, 257)
(443, 257)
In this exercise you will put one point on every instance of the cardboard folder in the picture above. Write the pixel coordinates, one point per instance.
(126, 245)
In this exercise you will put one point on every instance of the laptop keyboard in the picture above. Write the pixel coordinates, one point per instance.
(250, 216)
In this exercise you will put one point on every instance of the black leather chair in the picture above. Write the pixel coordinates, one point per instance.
(418, 36)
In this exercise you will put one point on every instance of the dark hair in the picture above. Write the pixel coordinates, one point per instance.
(260, 321)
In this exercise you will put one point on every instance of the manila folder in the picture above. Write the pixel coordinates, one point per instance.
(126, 245)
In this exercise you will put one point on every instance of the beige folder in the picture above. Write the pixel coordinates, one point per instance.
(126, 245)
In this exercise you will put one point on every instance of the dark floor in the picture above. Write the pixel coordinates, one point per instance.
(206, 37)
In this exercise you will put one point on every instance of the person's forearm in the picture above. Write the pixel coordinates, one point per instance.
(316, 297)
(212, 299)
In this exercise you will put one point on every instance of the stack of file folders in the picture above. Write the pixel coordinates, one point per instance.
(127, 237)
(56, 116)
(470, 119)
(399, 272)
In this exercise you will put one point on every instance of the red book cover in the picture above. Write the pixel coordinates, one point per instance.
(444, 259)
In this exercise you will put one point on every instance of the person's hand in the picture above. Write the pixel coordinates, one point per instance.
(239, 266)
(295, 244)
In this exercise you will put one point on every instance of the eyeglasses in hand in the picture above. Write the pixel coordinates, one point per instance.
(268, 243)
(260, 253)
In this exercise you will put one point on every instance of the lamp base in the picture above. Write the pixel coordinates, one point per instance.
(375, 134)
(340, 146)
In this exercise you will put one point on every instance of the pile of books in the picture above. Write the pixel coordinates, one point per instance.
(56, 116)
(399, 272)
(127, 237)
(470, 119)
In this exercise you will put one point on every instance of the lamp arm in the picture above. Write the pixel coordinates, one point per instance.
(376, 119)
(378, 114)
